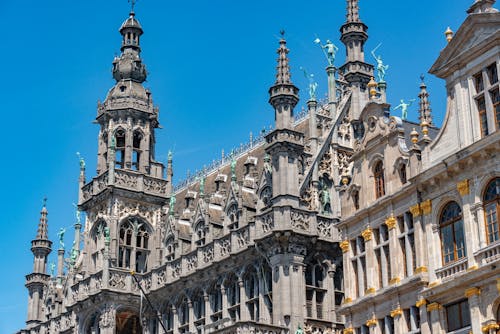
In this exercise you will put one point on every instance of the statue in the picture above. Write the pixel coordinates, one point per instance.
(202, 186)
(60, 234)
(170, 155)
(331, 50)
(171, 205)
(404, 108)
(82, 161)
(267, 163)
(233, 169)
(77, 213)
(381, 68)
(107, 237)
(299, 330)
(52, 268)
(325, 199)
(113, 143)
(74, 254)
(312, 84)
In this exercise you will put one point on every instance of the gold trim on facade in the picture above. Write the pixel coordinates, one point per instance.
(421, 302)
(433, 307)
(426, 207)
(490, 327)
(349, 330)
(463, 187)
(372, 322)
(395, 280)
(433, 284)
(472, 292)
(390, 222)
(421, 269)
(396, 312)
(367, 234)
(416, 210)
(370, 290)
(344, 245)
(348, 300)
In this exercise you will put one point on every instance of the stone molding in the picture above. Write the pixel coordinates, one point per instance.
(474, 291)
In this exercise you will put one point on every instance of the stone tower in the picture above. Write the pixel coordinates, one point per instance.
(37, 281)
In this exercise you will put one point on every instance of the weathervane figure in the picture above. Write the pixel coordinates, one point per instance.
(331, 50)
(381, 68)
(404, 108)
(132, 4)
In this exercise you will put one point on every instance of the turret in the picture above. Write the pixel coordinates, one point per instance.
(41, 247)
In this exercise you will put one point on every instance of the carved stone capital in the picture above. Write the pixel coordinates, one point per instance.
(349, 330)
(416, 210)
(422, 269)
(391, 222)
(433, 307)
(367, 234)
(474, 291)
(370, 290)
(395, 280)
(372, 322)
(463, 187)
(396, 312)
(421, 302)
(344, 245)
(426, 207)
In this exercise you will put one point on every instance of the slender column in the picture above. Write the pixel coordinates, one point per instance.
(394, 250)
(348, 272)
(244, 315)
(473, 295)
(471, 244)
(128, 144)
(332, 87)
(371, 275)
(435, 323)
(225, 313)
(192, 328)
(330, 295)
(208, 309)
(175, 317)
(425, 327)
(420, 244)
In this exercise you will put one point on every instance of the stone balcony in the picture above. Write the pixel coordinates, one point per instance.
(125, 179)
(488, 254)
(448, 271)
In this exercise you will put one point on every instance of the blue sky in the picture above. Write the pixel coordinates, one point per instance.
(210, 65)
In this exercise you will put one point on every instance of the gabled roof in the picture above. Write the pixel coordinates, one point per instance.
(478, 33)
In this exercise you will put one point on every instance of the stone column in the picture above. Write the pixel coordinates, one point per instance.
(348, 272)
(435, 323)
(208, 309)
(425, 326)
(244, 315)
(225, 312)
(330, 294)
(264, 315)
(433, 243)
(175, 318)
(478, 216)
(192, 328)
(129, 137)
(394, 251)
(420, 243)
(472, 295)
(371, 275)
(470, 232)
(397, 316)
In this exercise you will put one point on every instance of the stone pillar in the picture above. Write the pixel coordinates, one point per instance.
(478, 216)
(264, 315)
(425, 326)
(175, 318)
(244, 315)
(435, 323)
(397, 316)
(470, 232)
(394, 251)
(433, 244)
(348, 272)
(208, 309)
(225, 312)
(107, 321)
(371, 275)
(192, 328)
(129, 137)
(473, 296)
(330, 295)
(332, 87)
(420, 243)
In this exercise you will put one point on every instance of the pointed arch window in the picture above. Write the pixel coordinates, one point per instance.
(170, 249)
(133, 245)
(378, 174)
(136, 154)
(199, 231)
(120, 149)
(452, 233)
(491, 205)
(233, 216)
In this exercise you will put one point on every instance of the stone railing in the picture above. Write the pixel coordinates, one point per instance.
(451, 269)
(488, 254)
(126, 179)
(244, 327)
(133, 102)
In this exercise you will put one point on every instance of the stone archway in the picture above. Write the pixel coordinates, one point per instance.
(128, 322)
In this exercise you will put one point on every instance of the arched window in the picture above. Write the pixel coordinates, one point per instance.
(491, 202)
(233, 216)
(378, 174)
(136, 155)
(452, 233)
(199, 231)
(120, 149)
(402, 173)
(315, 294)
(170, 249)
(133, 245)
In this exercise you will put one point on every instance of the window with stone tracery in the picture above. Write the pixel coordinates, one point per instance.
(491, 205)
(136, 154)
(98, 239)
(200, 233)
(133, 245)
(452, 233)
(315, 291)
(120, 149)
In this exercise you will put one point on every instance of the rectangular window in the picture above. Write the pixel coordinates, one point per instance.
(478, 82)
(458, 315)
(402, 244)
(483, 120)
(495, 100)
(492, 73)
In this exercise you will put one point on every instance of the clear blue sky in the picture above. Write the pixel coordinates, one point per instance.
(210, 65)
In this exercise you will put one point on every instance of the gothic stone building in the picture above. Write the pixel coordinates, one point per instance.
(343, 219)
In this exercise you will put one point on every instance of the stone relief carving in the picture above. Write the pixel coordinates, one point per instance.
(117, 280)
(242, 237)
(107, 318)
(225, 247)
(299, 220)
(344, 130)
(324, 228)
(267, 222)
(176, 269)
(208, 254)
(192, 262)
(325, 164)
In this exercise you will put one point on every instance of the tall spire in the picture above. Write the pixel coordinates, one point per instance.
(353, 11)
(42, 232)
(425, 106)
(284, 94)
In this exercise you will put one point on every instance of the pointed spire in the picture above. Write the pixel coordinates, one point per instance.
(425, 106)
(42, 233)
(352, 11)
(170, 173)
(283, 95)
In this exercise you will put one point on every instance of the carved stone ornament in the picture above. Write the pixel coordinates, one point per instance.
(390, 222)
(416, 210)
(367, 234)
(267, 222)
(372, 322)
(426, 207)
(324, 228)
(107, 318)
(421, 302)
(344, 245)
(299, 220)
(396, 312)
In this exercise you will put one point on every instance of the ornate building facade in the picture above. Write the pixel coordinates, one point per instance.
(343, 219)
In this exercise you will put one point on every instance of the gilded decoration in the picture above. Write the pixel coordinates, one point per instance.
(463, 187)
(474, 291)
(372, 322)
(396, 312)
(344, 245)
(422, 269)
(433, 307)
(426, 207)
(395, 280)
(421, 302)
(390, 222)
(349, 330)
(348, 300)
(370, 290)
(490, 327)
(416, 210)
(367, 234)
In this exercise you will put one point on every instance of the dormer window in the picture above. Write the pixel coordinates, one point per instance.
(487, 95)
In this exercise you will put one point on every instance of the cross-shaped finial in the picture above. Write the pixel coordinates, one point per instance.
(132, 4)
(282, 33)
(422, 77)
(44, 201)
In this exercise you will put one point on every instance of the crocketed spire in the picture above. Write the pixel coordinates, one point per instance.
(283, 69)
(425, 106)
(352, 11)
(42, 233)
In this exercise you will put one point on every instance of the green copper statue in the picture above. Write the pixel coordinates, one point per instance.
(74, 254)
(312, 84)
(170, 155)
(404, 108)
(107, 237)
(60, 234)
(325, 199)
(202, 186)
(52, 268)
(171, 205)
(82, 161)
(299, 330)
(381, 68)
(329, 49)
(233, 169)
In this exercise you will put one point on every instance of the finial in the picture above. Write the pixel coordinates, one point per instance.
(282, 33)
(449, 34)
(170, 154)
(132, 5)
(422, 78)
(82, 161)
(372, 86)
(44, 202)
